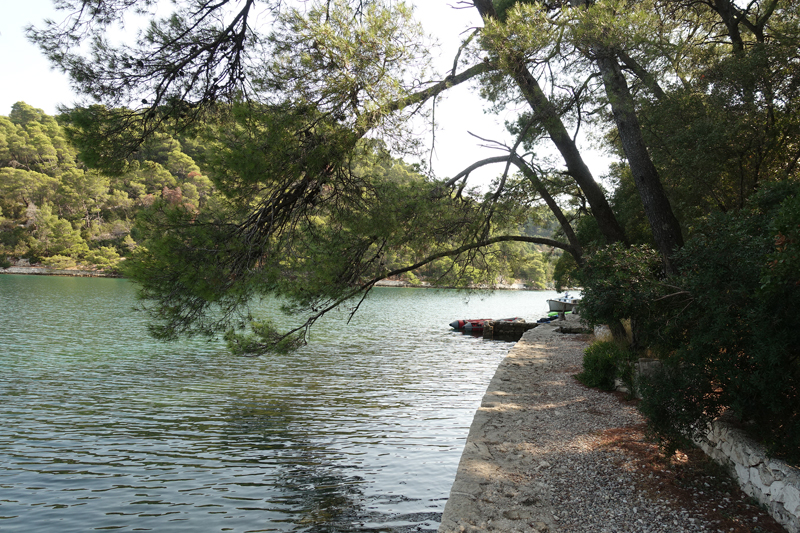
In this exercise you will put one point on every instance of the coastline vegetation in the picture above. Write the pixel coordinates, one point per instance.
(58, 212)
(692, 236)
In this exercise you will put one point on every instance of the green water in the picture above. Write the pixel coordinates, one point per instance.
(105, 429)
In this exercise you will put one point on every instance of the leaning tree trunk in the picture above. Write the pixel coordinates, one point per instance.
(548, 116)
(553, 125)
(666, 229)
(528, 172)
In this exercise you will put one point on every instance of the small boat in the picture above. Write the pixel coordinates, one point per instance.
(565, 303)
(476, 325)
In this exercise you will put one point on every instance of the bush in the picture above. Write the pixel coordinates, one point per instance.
(603, 362)
(621, 283)
(670, 402)
(724, 327)
(103, 257)
(59, 262)
(737, 344)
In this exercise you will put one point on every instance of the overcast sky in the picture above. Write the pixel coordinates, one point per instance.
(27, 76)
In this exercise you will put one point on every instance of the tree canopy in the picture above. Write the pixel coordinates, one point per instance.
(298, 106)
(287, 94)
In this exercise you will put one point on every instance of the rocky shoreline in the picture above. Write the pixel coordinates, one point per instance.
(544, 453)
(44, 271)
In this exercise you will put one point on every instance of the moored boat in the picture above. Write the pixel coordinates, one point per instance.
(565, 303)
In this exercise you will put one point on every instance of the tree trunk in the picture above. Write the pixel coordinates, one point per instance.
(549, 118)
(551, 203)
(727, 12)
(664, 224)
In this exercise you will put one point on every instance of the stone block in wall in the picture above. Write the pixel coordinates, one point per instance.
(601, 331)
(765, 475)
(506, 330)
(791, 499)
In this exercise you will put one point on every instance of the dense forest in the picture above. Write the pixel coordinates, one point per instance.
(58, 212)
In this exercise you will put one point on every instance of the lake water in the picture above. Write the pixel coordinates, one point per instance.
(103, 428)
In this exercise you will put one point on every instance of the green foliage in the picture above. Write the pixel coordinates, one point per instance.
(59, 262)
(619, 282)
(603, 363)
(565, 273)
(728, 130)
(782, 272)
(54, 206)
(724, 327)
(104, 257)
(533, 268)
(13, 239)
(671, 402)
(54, 235)
(189, 293)
(628, 207)
(263, 336)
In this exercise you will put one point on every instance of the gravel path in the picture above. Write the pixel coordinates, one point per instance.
(545, 453)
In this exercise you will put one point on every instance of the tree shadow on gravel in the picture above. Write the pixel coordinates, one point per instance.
(690, 481)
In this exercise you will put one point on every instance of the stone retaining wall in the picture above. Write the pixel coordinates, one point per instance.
(772, 482)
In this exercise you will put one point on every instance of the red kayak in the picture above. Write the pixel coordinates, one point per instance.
(475, 325)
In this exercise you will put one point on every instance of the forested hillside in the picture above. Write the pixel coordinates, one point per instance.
(58, 212)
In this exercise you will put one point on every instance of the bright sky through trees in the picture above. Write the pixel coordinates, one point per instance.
(30, 78)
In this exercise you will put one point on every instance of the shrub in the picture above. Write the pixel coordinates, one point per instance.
(620, 284)
(724, 327)
(672, 421)
(603, 362)
(103, 257)
(58, 262)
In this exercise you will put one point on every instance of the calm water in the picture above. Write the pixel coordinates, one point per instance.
(103, 428)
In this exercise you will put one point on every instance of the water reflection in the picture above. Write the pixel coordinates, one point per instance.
(105, 429)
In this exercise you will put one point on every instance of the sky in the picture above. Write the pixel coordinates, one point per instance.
(27, 76)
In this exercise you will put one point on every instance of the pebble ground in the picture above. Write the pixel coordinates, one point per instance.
(547, 454)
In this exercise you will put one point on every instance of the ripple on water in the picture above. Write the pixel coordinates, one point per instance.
(362, 430)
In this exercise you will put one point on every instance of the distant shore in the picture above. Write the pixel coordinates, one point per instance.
(427, 285)
(44, 271)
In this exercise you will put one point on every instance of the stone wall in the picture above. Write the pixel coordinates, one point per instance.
(773, 483)
(504, 330)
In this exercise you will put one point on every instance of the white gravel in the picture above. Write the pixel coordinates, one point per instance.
(536, 459)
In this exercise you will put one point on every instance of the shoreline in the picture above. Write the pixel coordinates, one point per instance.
(45, 271)
(427, 285)
(545, 454)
